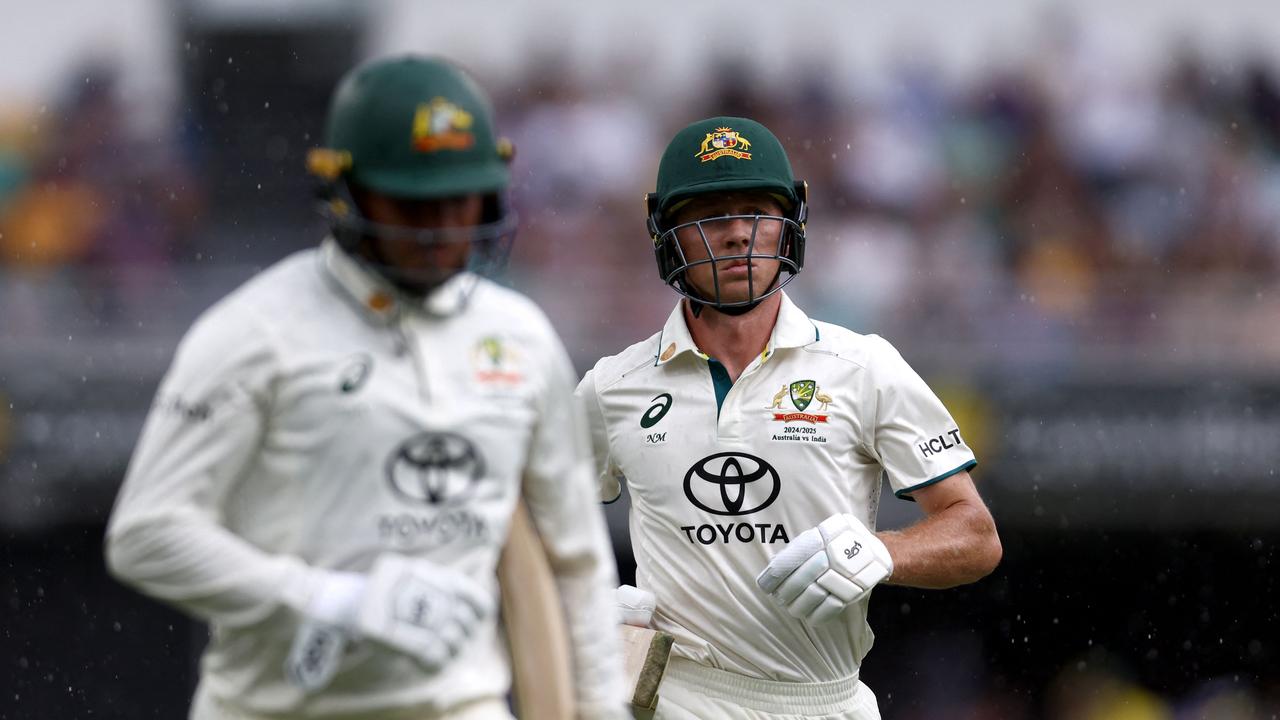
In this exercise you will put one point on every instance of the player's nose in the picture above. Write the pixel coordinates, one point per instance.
(738, 234)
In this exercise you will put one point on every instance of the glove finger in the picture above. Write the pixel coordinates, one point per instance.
(453, 633)
(472, 597)
(803, 577)
(632, 597)
(637, 617)
(433, 655)
(791, 557)
(841, 587)
(468, 610)
(829, 610)
(808, 601)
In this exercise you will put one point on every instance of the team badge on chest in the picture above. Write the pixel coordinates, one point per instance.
(496, 362)
(802, 406)
(801, 393)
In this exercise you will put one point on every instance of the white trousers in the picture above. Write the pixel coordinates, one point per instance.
(205, 707)
(691, 691)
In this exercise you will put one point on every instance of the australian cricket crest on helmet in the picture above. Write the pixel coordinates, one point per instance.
(442, 125)
(724, 142)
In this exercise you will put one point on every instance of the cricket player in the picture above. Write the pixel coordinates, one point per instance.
(331, 464)
(753, 441)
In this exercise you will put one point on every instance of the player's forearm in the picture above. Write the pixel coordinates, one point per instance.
(956, 546)
(201, 568)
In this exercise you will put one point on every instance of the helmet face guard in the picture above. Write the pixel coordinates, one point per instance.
(674, 263)
(368, 242)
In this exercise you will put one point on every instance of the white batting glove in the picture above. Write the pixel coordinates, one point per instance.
(330, 617)
(826, 569)
(635, 606)
(420, 608)
(416, 607)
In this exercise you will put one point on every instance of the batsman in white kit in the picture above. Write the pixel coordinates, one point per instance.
(753, 440)
(331, 465)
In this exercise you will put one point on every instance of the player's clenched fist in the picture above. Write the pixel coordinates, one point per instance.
(421, 608)
(826, 569)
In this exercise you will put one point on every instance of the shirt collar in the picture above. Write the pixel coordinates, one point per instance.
(378, 298)
(791, 329)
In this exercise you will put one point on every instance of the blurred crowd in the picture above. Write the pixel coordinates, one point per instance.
(78, 191)
(1040, 210)
(1085, 691)
(1081, 691)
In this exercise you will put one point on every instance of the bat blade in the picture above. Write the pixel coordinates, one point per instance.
(645, 654)
(537, 634)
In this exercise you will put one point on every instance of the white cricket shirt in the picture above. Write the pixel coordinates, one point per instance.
(722, 475)
(313, 420)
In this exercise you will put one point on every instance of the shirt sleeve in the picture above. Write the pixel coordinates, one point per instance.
(559, 491)
(165, 536)
(913, 436)
(607, 474)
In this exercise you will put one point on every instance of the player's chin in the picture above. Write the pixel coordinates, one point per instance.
(730, 295)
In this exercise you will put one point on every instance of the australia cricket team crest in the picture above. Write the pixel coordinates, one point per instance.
(724, 142)
(442, 125)
(496, 362)
(801, 394)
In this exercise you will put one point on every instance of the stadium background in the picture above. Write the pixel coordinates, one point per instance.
(1067, 218)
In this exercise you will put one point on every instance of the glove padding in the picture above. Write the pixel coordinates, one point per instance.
(329, 618)
(635, 606)
(413, 606)
(420, 608)
(826, 569)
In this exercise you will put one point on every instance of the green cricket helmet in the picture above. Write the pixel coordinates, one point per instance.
(720, 155)
(414, 128)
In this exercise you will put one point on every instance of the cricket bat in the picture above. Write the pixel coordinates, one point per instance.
(644, 654)
(537, 637)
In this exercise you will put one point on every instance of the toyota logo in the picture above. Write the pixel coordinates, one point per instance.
(438, 468)
(726, 480)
